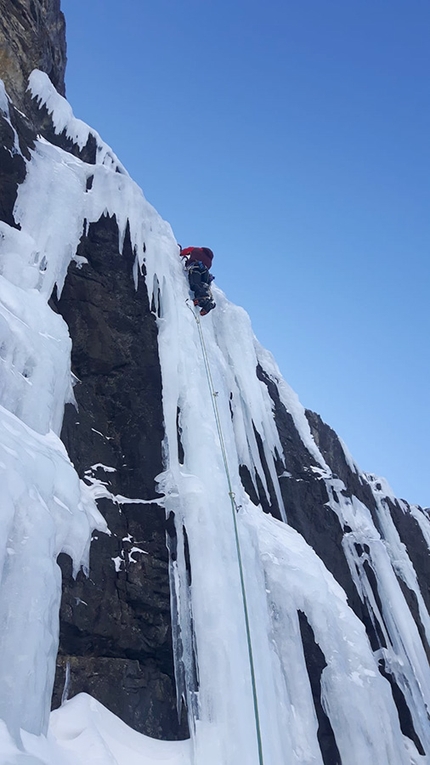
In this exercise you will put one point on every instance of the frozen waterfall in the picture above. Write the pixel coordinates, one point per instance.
(46, 509)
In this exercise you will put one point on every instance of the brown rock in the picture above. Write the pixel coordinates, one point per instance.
(32, 36)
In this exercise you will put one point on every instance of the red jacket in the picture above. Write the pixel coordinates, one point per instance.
(204, 254)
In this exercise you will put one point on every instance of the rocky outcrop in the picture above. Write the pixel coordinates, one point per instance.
(115, 625)
(32, 36)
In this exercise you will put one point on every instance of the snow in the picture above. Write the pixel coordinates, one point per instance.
(85, 728)
(349, 458)
(118, 561)
(63, 119)
(291, 402)
(4, 100)
(35, 379)
(46, 509)
(82, 731)
(4, 110)
(133, 551)
(106, 468)
(350, 681)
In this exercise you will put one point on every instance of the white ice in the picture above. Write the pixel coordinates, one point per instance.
(46, 509)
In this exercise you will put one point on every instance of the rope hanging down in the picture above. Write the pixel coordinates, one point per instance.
(234, 509)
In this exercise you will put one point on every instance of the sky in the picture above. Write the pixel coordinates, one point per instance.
(291, 137)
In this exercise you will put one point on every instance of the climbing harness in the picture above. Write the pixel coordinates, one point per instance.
(234, 508)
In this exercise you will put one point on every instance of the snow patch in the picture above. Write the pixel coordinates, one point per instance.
(63, 119)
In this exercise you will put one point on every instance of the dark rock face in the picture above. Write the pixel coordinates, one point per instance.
(315, 663)
(305, 497)
(142, 700)
(12, 164)
(411, 535)
(115, 624)
(32, 36)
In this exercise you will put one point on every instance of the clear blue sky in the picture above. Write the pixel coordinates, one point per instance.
(291, 137)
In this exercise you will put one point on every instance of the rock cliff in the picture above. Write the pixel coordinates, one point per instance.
(116, 624)
(32, 36)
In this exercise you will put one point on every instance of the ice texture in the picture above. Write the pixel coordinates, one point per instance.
(64, 121)
(47, 509)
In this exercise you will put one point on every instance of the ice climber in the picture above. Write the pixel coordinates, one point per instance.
(198, 261)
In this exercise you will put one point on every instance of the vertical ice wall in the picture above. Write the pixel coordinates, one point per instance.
(283, 574)
(49, 510)
(44, 507)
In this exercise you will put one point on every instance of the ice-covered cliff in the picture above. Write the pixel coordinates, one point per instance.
(250, 595)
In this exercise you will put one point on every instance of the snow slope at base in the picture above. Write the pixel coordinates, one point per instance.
(84, 732)
(84, 727)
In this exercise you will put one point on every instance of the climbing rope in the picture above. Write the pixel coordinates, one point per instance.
(234, 509)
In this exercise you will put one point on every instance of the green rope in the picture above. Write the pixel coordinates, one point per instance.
(231, 494)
